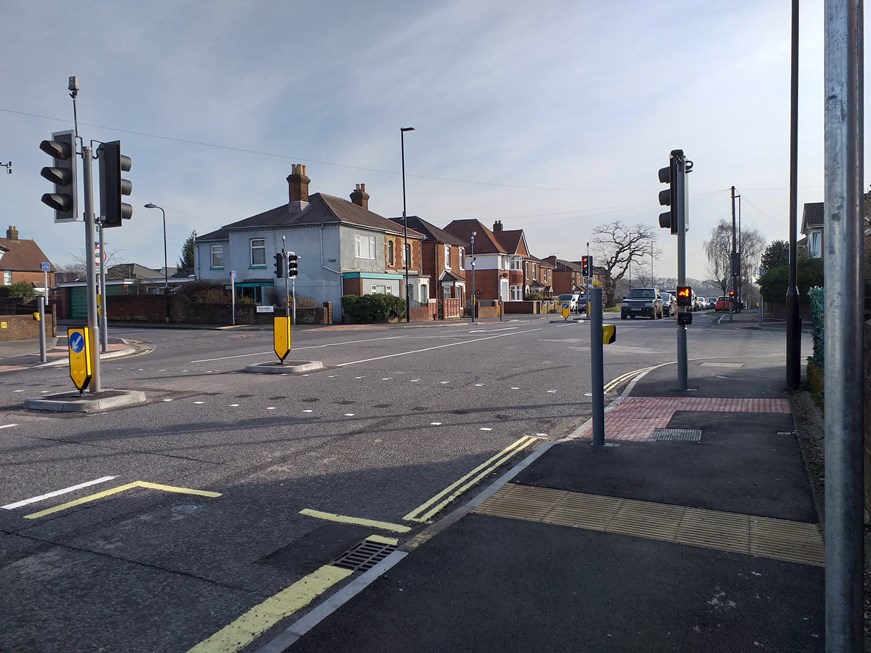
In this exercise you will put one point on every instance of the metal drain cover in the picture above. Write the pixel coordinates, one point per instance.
(364, 556)
(681, 435)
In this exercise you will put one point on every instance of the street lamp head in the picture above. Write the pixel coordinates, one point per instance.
(406, 129)
(151, 206)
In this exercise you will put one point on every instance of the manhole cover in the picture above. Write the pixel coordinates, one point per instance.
(681, 435)
(364, 555)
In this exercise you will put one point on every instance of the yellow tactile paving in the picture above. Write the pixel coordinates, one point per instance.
(779, 539)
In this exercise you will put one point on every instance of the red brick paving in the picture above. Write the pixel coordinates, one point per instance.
(635, 418)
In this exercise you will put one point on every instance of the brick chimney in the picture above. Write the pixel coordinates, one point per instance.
(12, 233)
(497, 226)
(360, 197)
(298, 183)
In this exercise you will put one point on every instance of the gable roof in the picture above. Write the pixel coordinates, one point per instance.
(485, 241)
(431, 232)
(561, 265)
(132, 271)
(21, 255)
(512, 240)
(813, 216)
(326, 208)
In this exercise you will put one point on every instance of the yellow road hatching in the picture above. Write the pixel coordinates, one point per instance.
(613, 385)
(456, 488)
(345, 519)
(116, 490)
(240, 633)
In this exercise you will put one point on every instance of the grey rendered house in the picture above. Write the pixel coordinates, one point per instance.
(343, 249)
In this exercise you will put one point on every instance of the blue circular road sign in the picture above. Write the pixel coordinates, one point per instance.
(77, 342)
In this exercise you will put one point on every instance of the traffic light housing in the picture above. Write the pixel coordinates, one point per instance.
(587, 266)
(63, 174)
(292, 264)
(112, 187)
(279, 264)
(731, 294)
(675, 196)
(684, 296)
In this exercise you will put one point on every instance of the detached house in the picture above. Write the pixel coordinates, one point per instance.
(21, 261)
(343, 249)
(812, 222)
(567, 276)
(489, 258)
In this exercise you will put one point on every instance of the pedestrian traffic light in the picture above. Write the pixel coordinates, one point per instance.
(112, 187)
(291, 264)
(675, 196)
(279, 264)
(587, 266)
(684, 296)
(63, 173)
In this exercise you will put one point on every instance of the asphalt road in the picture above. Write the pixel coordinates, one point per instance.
(400, 414)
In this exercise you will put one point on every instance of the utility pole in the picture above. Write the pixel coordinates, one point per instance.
(793, 321)
(732, 261)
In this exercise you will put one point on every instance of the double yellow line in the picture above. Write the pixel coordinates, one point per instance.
(623, 378)
(425, 511)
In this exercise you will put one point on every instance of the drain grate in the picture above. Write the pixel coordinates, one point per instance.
(364, 556)
(680, 435)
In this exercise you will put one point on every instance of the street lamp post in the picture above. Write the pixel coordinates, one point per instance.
(474, 294)
(406, 253)
(165, 262)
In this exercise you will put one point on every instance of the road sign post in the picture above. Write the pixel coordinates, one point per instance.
(597, 367)
(80, 356)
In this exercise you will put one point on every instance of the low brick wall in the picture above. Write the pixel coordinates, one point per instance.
(424, 313)
(530, 307)
(152, 308)
(24, 327)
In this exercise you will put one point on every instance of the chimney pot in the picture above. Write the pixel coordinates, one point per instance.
(497, 226)
(360, 197)
(12, 233)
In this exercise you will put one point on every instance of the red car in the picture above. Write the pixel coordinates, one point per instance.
(722, 304)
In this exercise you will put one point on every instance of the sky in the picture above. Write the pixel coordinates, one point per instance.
(553, 117)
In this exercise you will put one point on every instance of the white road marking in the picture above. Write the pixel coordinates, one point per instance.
(268, 353)
(450, 344)
(199, 402)
(415, 380)
(234, 405)
(6, 426)
(270, 408)
(479, 385)
(444, 382)
(167, 399)
(308, 410)
(552, 391)
(435, 423)
(72, 488)
(485, 428)
(349, 414)
(515, 388)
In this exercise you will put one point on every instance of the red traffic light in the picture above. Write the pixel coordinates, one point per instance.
(731, 293)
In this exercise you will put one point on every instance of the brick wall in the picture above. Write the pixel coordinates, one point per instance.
(24, 327)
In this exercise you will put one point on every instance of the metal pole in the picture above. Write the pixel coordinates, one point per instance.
(474, 294)
(739, 294)
(597, 367)
(682, 217)
(844, 382)
(165, 265)
(93, 324)
(104, 320)
(406, 254)
(293, 294)
(793, 321)
(732, 262)
(40, 303)
(233, 298)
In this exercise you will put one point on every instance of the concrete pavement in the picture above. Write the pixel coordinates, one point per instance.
(694, 529)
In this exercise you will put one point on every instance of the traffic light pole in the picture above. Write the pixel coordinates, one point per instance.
(93, 324)
(681, 205)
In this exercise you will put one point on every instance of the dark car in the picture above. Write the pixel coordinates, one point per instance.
(641, 302)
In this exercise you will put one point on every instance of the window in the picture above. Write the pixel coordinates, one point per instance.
(516, 293)
(462, 261)
(217, 256)
(258, 251)
(390, 260)
(408, 254)
(815, 245)
(424, 292)
(364, 246)
(516, 263)
(447, 257)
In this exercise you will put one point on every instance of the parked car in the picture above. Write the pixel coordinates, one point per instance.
(572, 299)
(701, 304)
(712, 303)
(668, 306)
(722, 304)
(641, 302)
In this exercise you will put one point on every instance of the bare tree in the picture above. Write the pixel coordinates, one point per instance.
(616, 246)
(718, 250)
(752, 246)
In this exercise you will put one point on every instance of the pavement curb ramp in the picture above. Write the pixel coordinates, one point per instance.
(290, 367)
(73, 402)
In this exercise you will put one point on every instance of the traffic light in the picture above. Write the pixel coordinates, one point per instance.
(112, 187)
(587, 266)
(63, 174)
(279, 264)
(674, 196)
(731, 294)
(684, 296)
(291, 264)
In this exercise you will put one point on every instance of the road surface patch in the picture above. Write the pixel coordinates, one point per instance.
(117, 490)
(424, 512)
